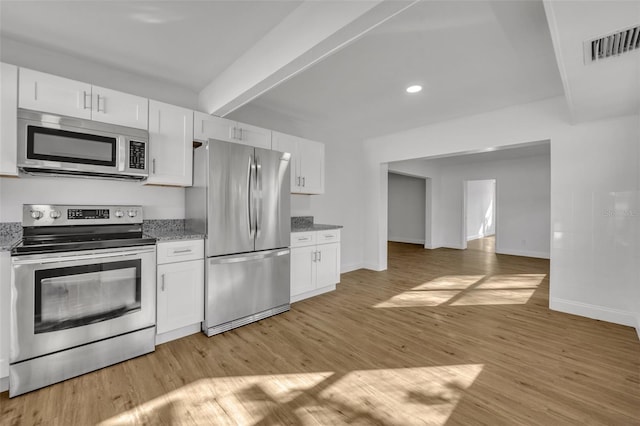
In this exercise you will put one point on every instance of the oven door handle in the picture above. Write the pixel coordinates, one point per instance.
(75, 257)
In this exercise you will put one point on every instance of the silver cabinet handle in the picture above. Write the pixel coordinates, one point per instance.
(304, 181)
(84, 99)
(182, 251)
(319, 256)
(153, 166)
(98, 104)
(314, 256)
(162, 286)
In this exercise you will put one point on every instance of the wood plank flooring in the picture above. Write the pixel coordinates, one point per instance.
(442, 337)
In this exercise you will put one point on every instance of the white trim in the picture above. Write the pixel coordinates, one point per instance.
(4, 384)
(406, 240)
(638, 326)
(351, 267)
(373, 266)
(312, 293)
(602, 313)
(525, 253)
(432, 246)
(178, 334)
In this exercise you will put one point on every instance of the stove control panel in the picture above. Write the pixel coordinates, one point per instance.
(62, 215)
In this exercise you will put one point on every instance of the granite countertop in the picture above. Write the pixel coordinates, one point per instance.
(306, 224)
(169, 230)
(10, 233)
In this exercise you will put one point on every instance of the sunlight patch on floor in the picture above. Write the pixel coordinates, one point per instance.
(401, 396)
(466, 290)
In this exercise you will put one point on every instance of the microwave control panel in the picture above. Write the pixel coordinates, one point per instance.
(137, 155)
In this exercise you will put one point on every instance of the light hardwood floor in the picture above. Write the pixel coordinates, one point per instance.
(442, 337)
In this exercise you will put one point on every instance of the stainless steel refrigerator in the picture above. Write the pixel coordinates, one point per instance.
(241, 200)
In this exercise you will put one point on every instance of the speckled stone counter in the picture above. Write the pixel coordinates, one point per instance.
(305, 224)
(10, 233)
(169, 230)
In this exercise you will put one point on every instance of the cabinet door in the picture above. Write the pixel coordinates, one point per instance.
(180, 295)
(288, 143)
(8, 120)
(170, 144)
(253, 136)
(303, 270)
(49, 93)
(110, 106)
(328, 265)
(207, 126)
(311, 159)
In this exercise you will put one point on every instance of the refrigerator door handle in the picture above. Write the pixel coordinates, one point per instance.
(250, 201)
(258, 197)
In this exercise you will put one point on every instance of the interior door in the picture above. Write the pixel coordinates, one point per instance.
(230, 214)
(272, 198)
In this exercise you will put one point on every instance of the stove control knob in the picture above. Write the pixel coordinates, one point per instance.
(119, 213)
(54, 214)
(133, 213)
(36, 214)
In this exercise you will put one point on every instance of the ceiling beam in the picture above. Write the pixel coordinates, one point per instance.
(311, 32)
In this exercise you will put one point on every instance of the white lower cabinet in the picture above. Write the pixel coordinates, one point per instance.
(315, 263)
(180, 289)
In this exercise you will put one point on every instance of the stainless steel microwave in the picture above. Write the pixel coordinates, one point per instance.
(54, 144)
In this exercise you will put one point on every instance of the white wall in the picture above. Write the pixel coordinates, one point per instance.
(158, 202)
(594, 169)
(407, 209)
(522, 203)
(342, 202)
(480, 209)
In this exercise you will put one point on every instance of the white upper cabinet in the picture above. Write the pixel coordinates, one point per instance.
(49, 93)
(110, 106)
(307, 162)
(207, 126)
(8, 120)
(170, 145)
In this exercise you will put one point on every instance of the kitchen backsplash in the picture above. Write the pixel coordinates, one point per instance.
(301, 221)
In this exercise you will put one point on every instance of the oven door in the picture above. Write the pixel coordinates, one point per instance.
(60, 301)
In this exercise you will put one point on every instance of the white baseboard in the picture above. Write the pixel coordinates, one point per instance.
(351, 267)
(4, 384)
(525, 253)
(638, 326)
(602, 313)
(474, 237)
(177, 334)
(373, 266)
(406, 240)
(432, 246)
(312, 293)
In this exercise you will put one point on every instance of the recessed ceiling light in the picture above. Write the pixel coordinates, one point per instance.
(414, 89)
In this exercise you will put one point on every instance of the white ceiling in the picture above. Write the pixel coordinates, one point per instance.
(471, 56)
(186, 43)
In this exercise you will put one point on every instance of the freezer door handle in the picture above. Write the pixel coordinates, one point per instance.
(258, 197)
(247, 257)
(250, 201)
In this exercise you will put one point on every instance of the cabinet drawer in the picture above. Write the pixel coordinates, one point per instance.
(329, 236)
(180, 251)
(300, 239)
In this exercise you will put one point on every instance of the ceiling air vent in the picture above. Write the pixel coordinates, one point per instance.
(612, 45)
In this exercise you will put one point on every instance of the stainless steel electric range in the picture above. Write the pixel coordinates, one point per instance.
(82, 293)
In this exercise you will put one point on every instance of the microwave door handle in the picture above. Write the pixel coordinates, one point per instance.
(121, 153)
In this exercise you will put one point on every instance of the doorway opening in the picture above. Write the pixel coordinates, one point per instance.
(479, 227)
(407, 215)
